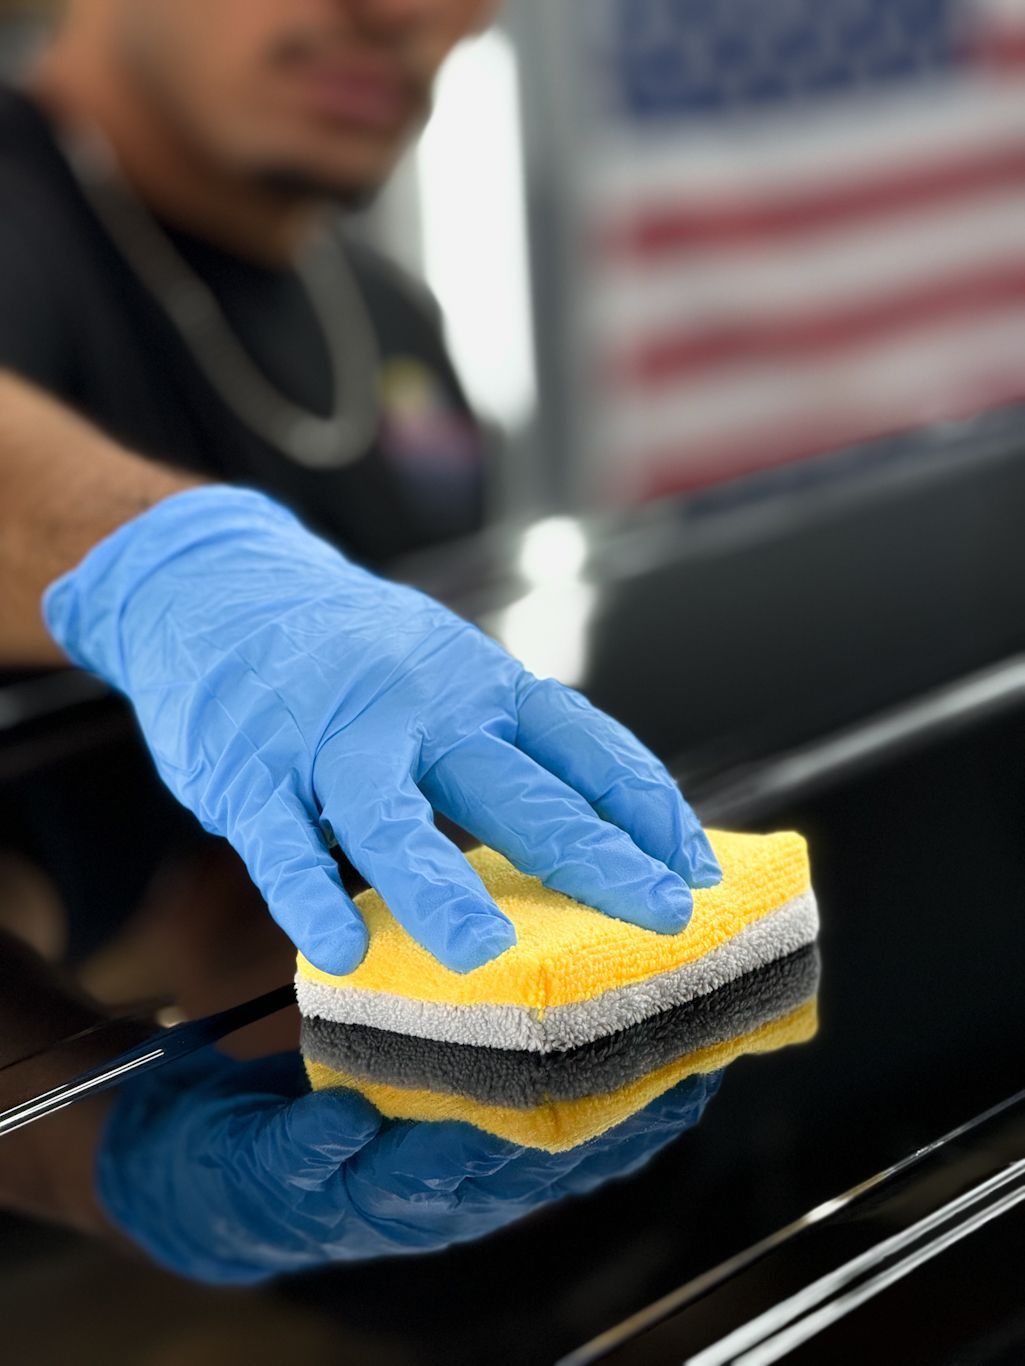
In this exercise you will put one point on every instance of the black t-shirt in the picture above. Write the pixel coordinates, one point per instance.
(76, 319)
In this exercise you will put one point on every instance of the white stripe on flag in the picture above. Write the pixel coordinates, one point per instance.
(820, 271)
(918, 378)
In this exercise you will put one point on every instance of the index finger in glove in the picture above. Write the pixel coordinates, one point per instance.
(285, 852)
(386, 827)
(624, 782)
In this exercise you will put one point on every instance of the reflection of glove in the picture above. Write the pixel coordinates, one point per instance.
(227, 1173)
(285, 692)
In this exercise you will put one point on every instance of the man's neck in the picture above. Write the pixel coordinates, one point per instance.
(170, 177)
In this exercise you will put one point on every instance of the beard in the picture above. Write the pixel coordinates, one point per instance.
(290, 183)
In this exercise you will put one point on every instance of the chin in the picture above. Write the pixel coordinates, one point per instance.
(347, 170)
(350, 189)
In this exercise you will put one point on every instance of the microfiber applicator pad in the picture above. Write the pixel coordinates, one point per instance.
(574, 975)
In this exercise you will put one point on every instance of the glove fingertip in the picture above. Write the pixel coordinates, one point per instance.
(699, 873)
(696, 863)
(670, 906)
(475, 940)
(337, 950)
(706, 872)
(320, 918)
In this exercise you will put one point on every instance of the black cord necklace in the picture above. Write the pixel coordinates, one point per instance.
(303, 436)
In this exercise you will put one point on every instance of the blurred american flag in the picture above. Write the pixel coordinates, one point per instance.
(806, 224)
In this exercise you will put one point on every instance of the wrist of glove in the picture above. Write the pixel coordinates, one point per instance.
(290, 698)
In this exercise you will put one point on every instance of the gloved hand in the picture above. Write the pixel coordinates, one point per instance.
(228, 1172)
(290, 697)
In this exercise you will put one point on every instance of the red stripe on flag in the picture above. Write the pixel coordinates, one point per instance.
(735, 224)
(670, 359)
(998, 47)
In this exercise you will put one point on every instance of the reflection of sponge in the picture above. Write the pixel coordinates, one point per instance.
(558, 1125)
(522, 1079)
(574, 975)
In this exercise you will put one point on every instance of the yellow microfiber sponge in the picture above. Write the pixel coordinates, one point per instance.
(574, 975)
(560, 1125)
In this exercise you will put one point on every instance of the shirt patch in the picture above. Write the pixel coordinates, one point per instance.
(422, 431)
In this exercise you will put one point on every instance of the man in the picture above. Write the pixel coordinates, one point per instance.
(170, 185)
(231, 123)
(170, 268)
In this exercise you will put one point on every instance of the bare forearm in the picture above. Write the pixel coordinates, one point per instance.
(63, 487)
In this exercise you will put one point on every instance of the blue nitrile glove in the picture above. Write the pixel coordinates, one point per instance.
(288, 695)
(228, 1172)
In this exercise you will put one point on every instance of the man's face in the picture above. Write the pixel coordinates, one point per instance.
(319, 94)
